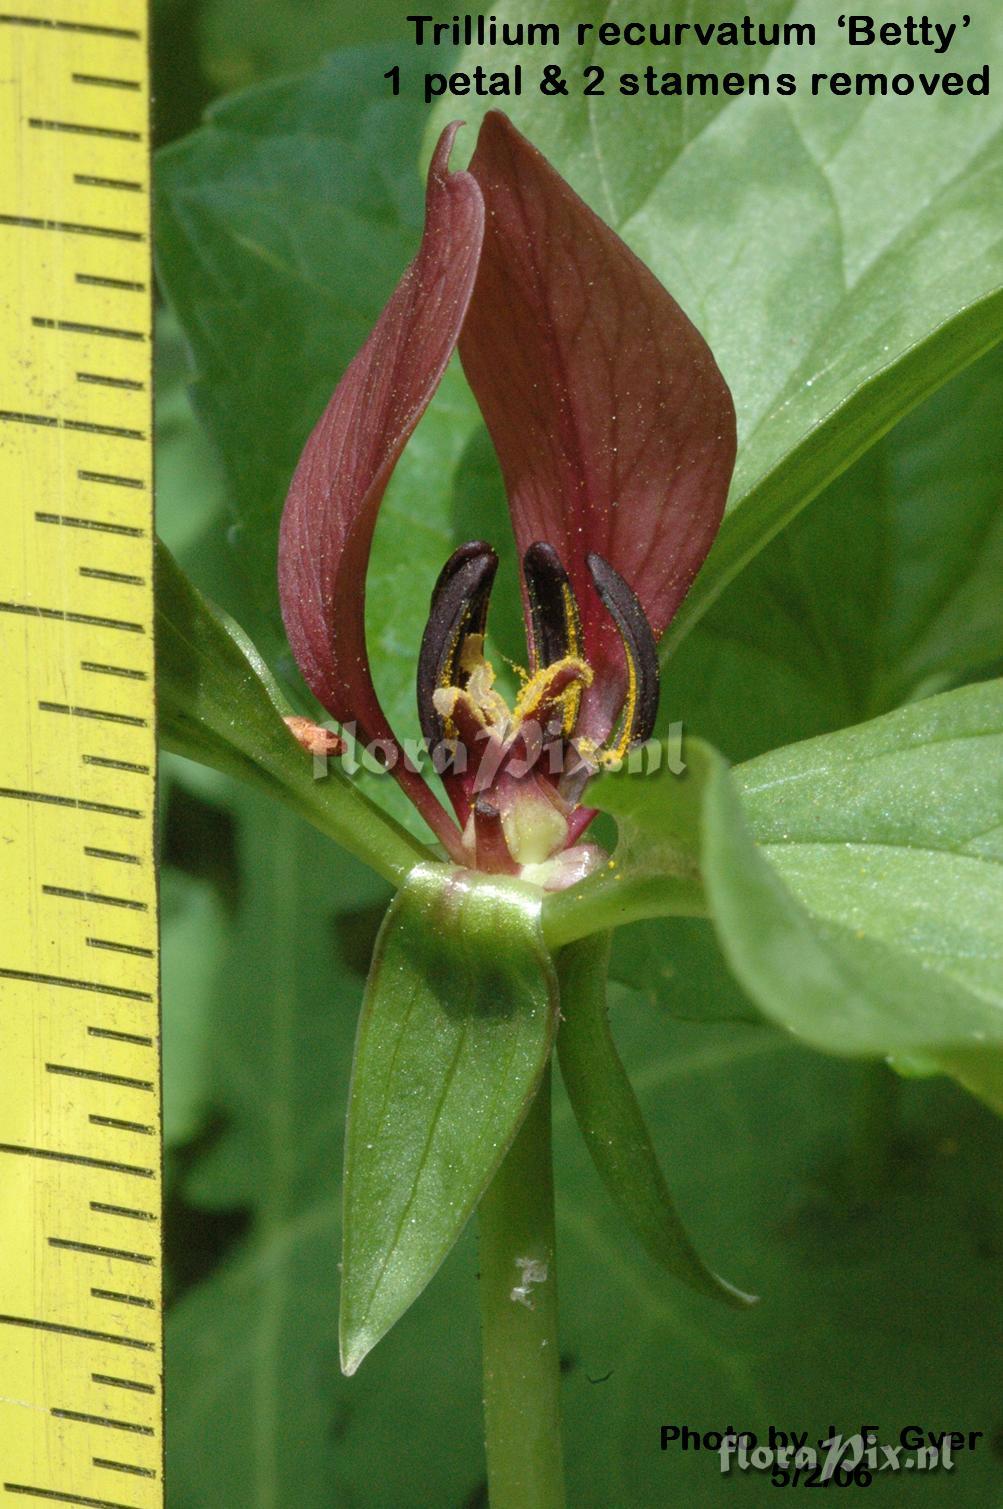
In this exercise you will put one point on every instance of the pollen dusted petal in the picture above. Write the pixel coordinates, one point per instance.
(614, 427)
(330, 513)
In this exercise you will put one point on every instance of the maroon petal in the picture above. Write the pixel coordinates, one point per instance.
(330, 513)
(614, 428)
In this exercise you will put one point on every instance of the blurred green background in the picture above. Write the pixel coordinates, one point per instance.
(879, 1262)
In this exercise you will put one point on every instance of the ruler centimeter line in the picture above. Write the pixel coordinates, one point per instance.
(81, 1397)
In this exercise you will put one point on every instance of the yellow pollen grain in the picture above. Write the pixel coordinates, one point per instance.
(538, 688)
(489, 707)
(619, 749)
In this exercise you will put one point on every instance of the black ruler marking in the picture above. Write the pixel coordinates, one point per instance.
(71, 228)
(33, 977)
(70, 801)
(79, 128)
(88, 28)
(79, 1160)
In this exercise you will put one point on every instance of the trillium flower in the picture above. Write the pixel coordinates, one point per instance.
(615, 432)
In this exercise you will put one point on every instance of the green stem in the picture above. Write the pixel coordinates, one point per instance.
(874, 1123)
(518, 1285)
(599, 904)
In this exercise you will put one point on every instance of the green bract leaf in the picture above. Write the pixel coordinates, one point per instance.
(455, 1032)
(840, 255)
(855, 880)
(217, 703)
(614, 1129)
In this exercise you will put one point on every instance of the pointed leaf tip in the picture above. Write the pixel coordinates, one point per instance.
(455, 1033)
(613, 1126)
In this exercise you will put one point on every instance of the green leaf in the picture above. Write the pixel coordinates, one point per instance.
(855, 880)
(283, 1016)
(613, 1127)
(674, 965)
(758, 1126)
(979, 1070)
(244, 40)
(189, 488)
(456, 1030)
(840, 255)
(218, 703)
(870, 920)
(885, 590)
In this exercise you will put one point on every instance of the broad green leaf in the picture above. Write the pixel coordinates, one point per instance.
(890, 837)
(245, 40)
(758, 1135)
(613, 1127)
(283, 1016)
(886, 589)
(218, 703)
(884, 983)
(189, 484)
(674, 965)
(841, 255)
(854, 880)
(261, 1414)
(456, 1030)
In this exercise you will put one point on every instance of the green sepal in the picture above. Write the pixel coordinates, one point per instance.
(456, 1029)
(613, 1125)
(218, 703)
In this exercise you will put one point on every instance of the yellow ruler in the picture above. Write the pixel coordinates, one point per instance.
(80, 1236)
